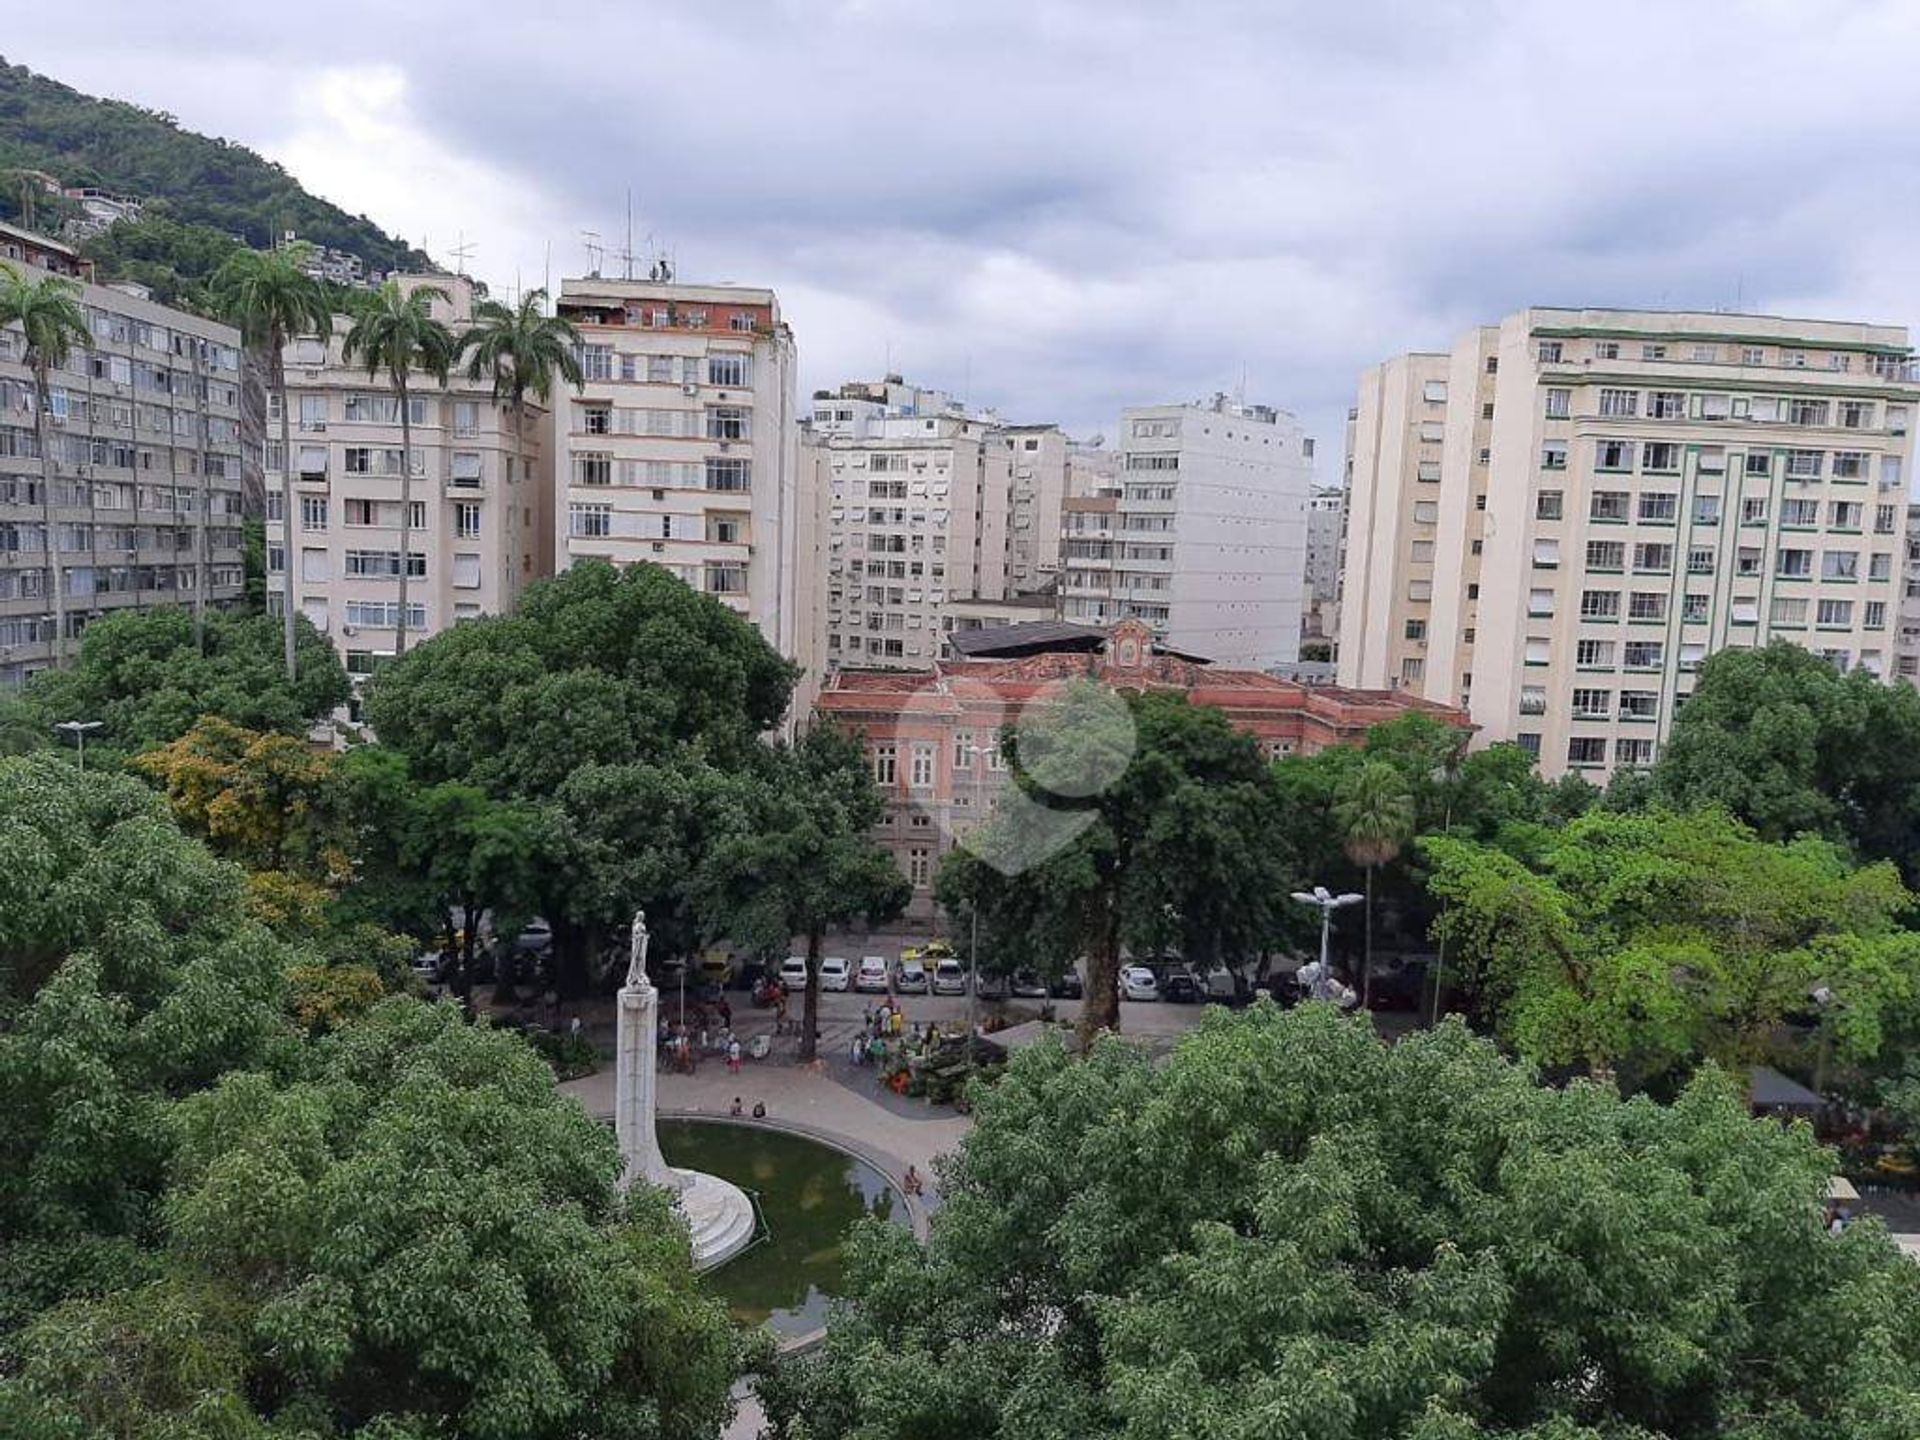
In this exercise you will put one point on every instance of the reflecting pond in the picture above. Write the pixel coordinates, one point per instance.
(809, 1194)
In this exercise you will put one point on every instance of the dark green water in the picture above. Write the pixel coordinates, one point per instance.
(809, 1195)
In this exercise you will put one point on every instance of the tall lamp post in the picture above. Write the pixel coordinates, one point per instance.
(78, 729)
(1320, 982)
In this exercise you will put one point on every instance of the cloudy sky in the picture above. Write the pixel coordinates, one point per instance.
(1060, 207)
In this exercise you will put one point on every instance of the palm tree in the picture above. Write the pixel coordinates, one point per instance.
(521, 350)
(272, 300)
(1374, 810)
(50, 316)
(394, 331)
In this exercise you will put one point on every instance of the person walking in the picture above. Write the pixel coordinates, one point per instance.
(733, 1056)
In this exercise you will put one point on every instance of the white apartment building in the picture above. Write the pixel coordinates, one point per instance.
(1326, 548)
(1906, 648)
(1554, 523)
(1205, 538)
(683, 447)
(481, 526)
(934, 515)
(144, 426)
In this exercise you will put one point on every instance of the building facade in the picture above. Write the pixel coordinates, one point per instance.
(145, 429)
(683, 447)
(1326, 546)
(482, 498)
(934, 738)
(1204, 535)
(934, 516)
(1554, 523)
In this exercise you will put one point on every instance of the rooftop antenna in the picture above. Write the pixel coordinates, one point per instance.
(626, 251)
(591, 239)
(546, 273)
(461, 252)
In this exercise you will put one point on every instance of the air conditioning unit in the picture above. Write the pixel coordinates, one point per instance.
(689, 389)
(349, 630)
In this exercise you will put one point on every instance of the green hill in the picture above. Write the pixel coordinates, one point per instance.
(202, 194)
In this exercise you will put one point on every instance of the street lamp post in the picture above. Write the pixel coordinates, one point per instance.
(1321, 985)
(973, 979)
(78, 729)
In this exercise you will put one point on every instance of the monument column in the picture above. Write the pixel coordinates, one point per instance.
(635, 1047)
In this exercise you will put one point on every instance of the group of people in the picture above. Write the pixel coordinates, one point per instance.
(682, 1048)
(885, 1030)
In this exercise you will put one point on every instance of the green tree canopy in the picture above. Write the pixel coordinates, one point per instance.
(140, 673)
(1779, 738)
(1652, 940)
(1295, 1231)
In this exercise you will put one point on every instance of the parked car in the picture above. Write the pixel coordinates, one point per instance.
(1137, 983)
(991, 987)
(910, 976)
(535, 939)
(1178, 986)
(1067, 985)
(428, 967)
(1029, 986)
(871, 977)
(716, 970)
(793, 972)
(949, 977)
(1398, 984)
(835, 972)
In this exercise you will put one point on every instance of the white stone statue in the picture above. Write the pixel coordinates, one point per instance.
(637, 954)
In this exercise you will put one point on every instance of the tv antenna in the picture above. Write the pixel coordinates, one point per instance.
(462, 252)
(591, 239)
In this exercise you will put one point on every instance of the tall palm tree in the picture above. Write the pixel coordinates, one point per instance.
(522, 350)
(50, 316)
(272, 300)
(1374, 810)
(394, 331)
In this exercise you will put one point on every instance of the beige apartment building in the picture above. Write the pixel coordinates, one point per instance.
(481, 526)
(683, 447)
(1554, 523)
(933, 516)
(145, 428)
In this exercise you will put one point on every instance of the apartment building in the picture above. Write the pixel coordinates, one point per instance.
(683, 447)
(1906, 648)
(1204, 535)
(1326, 546)
(935, 516)
(482, 499)
(145, 431)
(1554, 523)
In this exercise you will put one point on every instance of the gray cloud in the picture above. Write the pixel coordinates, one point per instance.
(1063, 207)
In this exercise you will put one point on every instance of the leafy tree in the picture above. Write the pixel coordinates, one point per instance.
(521, 350)
(394, 333)
(1375, 811)
(175, 260)
(1653, 940)
(1293, 1230)
(142, 676)
(272, 301)
(52, 324)
(1780, 739)
(1130, 823)
(806, 859)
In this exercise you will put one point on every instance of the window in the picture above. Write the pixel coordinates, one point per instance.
(728, 371)
(1529, 742)
(1799, 513)
(1804, 464)
(1752, 355)
(1856, 414)
(919, 866)
(1643, 654)
(1619, 404)
(1587, 750)
(1849, 465)
(1834, 613)
(1875, 617)
(466, 572)
(1434, 392)
(1548, 504)
(1647, 605)
(1539, 650)
(728, 475)
(1559, 403)
(597, 419)
(1600, 605)
(1706, 509)
(384, 564)
(1413, 670)
(1659, 506)
(1885, 518)
(590, 521)
(1880, 566)
(1433, 431)
(466, 520)
(1661, 455)
(1806, 412)
(1549, 352)
(883, 765)
(726, 422)
(1540, 604)
(1846, 514)
(1753, 510)
(593, 469)
(596, 362)
(1839, 565)
(1759, 464)
(1653, 558)
(1700, 560)
(1426, 512)
(313, 512)
(1533, 700)
(1416, 630)
(963, 749)
(1613, 455)
(1633, 750)
(1486, 411)
(1553, 455)
(1606, 554)
(361, 513)
(1652, 351)
(1666, 405)
(1788, 611)
(1546, 552)
(1606, 349)
(1593, 654)
(1889, 472)
(1609, 505)
(1592, 704)
(726, 577)
(1427, 472)
(1639, 704)
(1793, 564)
(1695, 609)
(920, 773)
(1419, 590)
